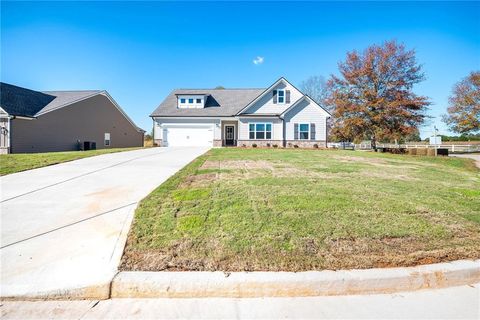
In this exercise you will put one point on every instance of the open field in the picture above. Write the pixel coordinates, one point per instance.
(11, 163)
(293, 210)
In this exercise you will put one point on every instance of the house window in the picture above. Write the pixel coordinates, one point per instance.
(183, 100)
(281, 96)
(107, 139)
(260, 131)
(304, 131)
(199, 100)
(190, 100)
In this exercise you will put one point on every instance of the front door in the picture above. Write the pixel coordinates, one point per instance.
(229, 135)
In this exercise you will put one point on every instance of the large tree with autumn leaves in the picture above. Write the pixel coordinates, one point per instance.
(373, 97)
(464, 109)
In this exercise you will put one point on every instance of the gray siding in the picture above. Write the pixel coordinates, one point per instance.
(87, 120)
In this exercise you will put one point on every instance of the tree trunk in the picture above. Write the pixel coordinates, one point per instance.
(374, 143)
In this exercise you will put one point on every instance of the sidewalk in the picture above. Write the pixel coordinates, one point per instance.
(452, 303)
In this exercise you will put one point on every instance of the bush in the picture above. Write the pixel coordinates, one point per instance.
(295, 146)
(268, 145)
(315, 146)
(244, 145)
(275, 145)
(254, 145)
(398, 150)
(431, 152)
(412, 151)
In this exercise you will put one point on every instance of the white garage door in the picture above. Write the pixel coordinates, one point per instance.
(188, 136)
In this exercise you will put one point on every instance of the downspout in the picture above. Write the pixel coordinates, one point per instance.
(153, 132)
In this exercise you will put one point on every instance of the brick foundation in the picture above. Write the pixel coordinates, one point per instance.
(259, 143)
(306, 144)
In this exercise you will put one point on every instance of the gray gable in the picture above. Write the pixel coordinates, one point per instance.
(219, 103)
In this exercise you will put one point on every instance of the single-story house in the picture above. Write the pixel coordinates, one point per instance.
(279, 115)
(33, 121)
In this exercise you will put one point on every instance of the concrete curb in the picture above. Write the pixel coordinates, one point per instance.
(293, 284)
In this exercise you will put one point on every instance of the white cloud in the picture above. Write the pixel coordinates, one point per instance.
(258, 60)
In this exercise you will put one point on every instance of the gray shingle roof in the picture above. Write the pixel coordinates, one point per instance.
(219, 103)
(64, 98)
(18, 101)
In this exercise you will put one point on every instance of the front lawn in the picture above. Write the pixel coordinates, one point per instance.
(11, 163)
(293, 210)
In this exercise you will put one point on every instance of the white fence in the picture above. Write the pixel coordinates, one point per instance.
(452, 148)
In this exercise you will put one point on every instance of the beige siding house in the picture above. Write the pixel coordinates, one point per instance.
(280, 115)
(50, 121)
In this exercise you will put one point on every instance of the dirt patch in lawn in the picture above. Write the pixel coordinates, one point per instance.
(237, 164)
(334, 254)
(199, 180)
(392, 252)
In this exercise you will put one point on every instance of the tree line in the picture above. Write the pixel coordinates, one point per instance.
(373, 97)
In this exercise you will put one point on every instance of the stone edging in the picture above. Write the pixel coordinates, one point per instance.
(134, 284)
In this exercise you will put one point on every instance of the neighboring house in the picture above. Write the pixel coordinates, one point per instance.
(280, 115)
(33, 121)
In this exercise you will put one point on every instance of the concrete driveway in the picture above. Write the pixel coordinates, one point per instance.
(63, 227)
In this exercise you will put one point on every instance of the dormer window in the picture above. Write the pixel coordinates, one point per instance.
(281, 96)
(191, 101)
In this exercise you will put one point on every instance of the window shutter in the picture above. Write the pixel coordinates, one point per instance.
(295, 131)
(287, 99)
(312, 131)
(274, 96)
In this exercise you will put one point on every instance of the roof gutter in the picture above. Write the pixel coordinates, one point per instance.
(22, 118)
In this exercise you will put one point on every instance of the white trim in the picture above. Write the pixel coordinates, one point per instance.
(264, 131)
(105, 139)
(3, 112)
(22, 118)
(284, 96)
(298, 101)
(226, 118)
(300, 131)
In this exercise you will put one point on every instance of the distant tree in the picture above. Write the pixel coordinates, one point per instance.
(464, 110)
(219, 87)
(414, 136)
(373, 97)
(316, 88)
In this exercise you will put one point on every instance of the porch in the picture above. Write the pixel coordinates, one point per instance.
(229, 136)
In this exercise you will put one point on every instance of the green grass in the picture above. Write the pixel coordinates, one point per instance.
(265, 209)
(11, 163)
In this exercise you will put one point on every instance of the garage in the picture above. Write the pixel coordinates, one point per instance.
(188, 135)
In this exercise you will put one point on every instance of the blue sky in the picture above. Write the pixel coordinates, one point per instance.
(140, 51)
